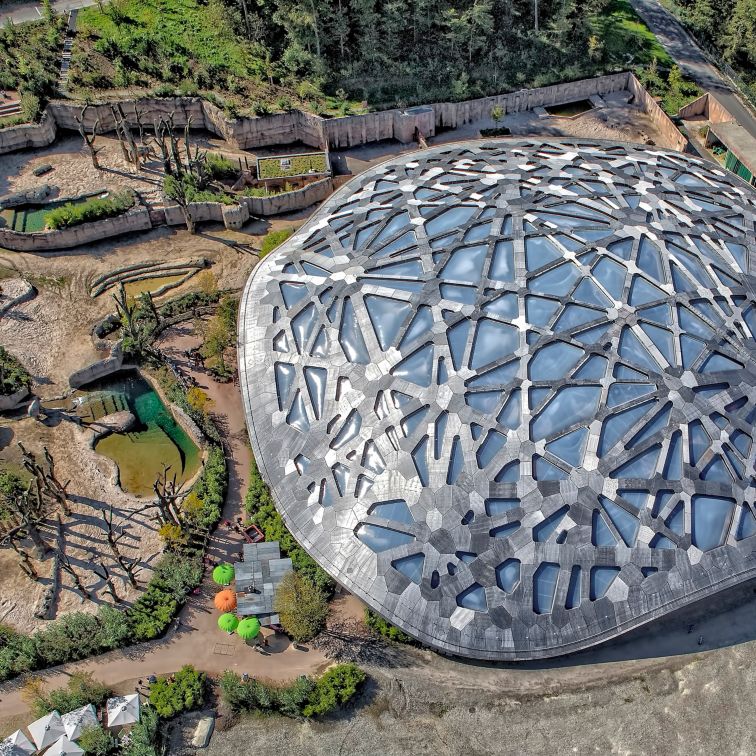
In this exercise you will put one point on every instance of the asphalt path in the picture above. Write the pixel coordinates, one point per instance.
(22, 12)
(681, 46)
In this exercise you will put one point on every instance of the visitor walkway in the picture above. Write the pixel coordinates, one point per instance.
(21, 12)
(691, 59)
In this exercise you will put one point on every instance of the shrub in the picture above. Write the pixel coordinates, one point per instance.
(97, 741)
(302, 697)
(13, 375)
(81, 689)
(90, 210)
(72, 636)
(31, 107)
(302, 606)
(181, 692)
(273, 238)
(221, 167)
(143, 736)
(188, 302)
(18, 653)
(205, 502)
(335, 688)
(380, 626)
(263, 513)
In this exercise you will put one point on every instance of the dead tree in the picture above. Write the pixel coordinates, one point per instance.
(25, 507)
(65, 565)
(111, 536)
(110, 588)
(169, 496)
(125, 137)
(89, 140)
(25, 562)
(48, 486)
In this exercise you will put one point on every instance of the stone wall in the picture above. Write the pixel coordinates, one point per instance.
(671, 134)
(29, 135)
(99, 369)
(136, 219)
(288, 202)
(708, 107)
(349, 131)
(12, 401)
(453, 114)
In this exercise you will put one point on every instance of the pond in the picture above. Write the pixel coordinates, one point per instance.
(570, 109)
(156, 440)
(135, 288)
(31, 218)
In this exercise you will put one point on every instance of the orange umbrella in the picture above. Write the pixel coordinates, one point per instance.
(225, 600)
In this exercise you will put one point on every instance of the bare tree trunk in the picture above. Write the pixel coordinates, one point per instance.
(65, 565)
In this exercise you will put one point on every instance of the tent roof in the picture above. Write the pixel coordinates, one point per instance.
(16, 744)
(123, 710)
(46, 730)
(76, 721)
(64, 747)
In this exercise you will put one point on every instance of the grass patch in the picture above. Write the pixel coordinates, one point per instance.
(287, 167)
(273, 239)
(95, 209)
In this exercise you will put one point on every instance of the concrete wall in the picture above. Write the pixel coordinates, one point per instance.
(136, 219)
(98, 369)
(670, 133)
(349, 131)
(28, 136)
(290, 201)
(708, 107)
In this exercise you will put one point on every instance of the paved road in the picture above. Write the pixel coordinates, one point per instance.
(691, 59)
(21, 12)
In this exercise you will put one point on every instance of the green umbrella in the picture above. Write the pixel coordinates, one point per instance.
(228, 622)
(223, 574)
(248, 628)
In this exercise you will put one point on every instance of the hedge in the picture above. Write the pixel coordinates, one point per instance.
(304, 697)
(263, 513)
(381, 627)
(183, 691)
(74, 214)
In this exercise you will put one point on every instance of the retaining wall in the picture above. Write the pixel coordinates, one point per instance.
(99, 369)
(289, 202)
(708, 107)
(670, 133)
(310, 129)
(136, 219)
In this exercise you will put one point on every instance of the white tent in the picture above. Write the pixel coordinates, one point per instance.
(77, 721)
(46, 730)
(64, 747)
(123, 710)
(16, 745)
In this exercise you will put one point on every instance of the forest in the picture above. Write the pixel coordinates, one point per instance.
(334, 57)
(727, 26)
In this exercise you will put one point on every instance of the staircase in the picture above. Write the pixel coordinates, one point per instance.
(9, 108)
(65, 58)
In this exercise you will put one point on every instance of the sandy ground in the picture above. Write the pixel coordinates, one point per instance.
(92, 490)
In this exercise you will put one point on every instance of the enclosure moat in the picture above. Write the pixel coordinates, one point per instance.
(156, 440)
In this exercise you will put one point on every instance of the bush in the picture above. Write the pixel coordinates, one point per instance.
(188, 302)
(273, 238)
(18, 653)
(380, 626)
(90, 210)
(205, 502)
(97, 741)
(335, 688)
(302, 606)
(81, 689)
(72, 636)
(221, 167)
(143, 736)
(263, 513)
(302, 697)
(13, 375)
(181, 692)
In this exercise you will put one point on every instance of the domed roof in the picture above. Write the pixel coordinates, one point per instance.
(504, 391)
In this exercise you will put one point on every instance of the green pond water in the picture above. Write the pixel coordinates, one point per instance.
(156, 440)
(31, 218)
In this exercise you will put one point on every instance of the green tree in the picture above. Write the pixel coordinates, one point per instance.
(302, 606)
(181, 692)
(97, 741)
(335, 688)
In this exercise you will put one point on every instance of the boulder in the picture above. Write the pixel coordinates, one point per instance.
(116, 422)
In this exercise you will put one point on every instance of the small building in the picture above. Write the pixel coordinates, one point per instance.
(257, 578)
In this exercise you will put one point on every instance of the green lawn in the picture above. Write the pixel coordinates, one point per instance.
(299, 165)
(627, 40)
